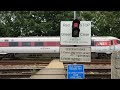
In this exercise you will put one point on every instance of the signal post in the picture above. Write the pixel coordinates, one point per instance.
(75, 40)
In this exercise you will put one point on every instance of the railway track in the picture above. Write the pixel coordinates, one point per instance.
(17, 69)
(44, 58)
(48, 61)
(26, 76)
(26, 73)
(21, 62)
(18, 64)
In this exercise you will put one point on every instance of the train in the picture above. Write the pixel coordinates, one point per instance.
(44, 46)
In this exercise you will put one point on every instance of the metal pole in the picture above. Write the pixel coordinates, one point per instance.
(74, 19)
(74, 14)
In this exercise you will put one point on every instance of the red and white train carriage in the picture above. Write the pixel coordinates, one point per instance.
(101, 46)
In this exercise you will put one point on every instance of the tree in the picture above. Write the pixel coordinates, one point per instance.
(47, 23)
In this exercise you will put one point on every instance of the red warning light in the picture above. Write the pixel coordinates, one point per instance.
(75, 25)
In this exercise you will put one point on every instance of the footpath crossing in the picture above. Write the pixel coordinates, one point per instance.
(55, 70)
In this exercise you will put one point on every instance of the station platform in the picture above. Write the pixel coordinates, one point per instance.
(55, 70)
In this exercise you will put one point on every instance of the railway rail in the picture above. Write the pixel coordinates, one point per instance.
(17, 69)
(19, 62)
(26, 76)
(101, 61)
(5, 59)
(26, 73)
(27, 64)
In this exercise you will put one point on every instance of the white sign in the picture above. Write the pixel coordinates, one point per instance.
(75, 54)
(84, 35)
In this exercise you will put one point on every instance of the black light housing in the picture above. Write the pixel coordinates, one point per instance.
(75, 28)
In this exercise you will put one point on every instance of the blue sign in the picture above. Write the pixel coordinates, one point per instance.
(75, 71)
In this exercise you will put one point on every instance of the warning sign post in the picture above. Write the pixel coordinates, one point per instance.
(75, 49)
(84, 35)
(75, 54)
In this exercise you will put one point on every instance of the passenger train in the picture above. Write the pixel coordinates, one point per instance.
(18, 47)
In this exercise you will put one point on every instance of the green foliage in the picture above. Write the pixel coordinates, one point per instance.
(47, 23)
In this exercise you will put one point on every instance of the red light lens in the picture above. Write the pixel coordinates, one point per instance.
(75, 24)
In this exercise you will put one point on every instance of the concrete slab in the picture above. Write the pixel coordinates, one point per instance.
(55, 70)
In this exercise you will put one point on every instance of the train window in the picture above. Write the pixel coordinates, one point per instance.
(92, 43)
(111, 42)
(50, 43)
(26, 43)
(118, 41)
(38, 43)
(13, 43)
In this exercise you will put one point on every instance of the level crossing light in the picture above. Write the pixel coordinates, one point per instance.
(75, 28)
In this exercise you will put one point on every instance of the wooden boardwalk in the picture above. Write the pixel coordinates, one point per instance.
(55, 70)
